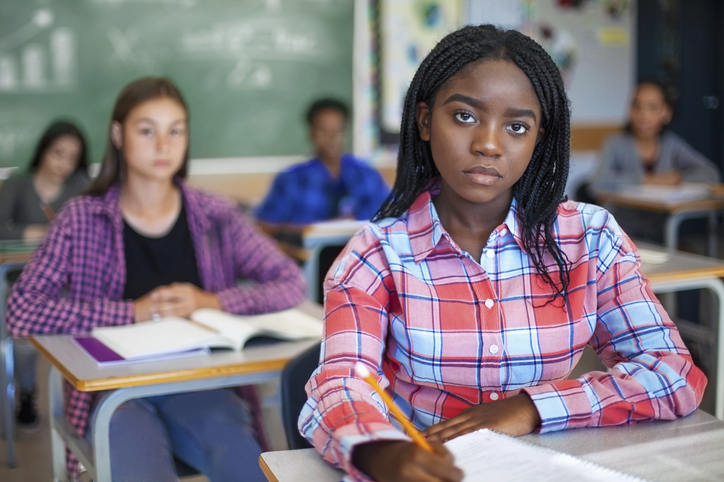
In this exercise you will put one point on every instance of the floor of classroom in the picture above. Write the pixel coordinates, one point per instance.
(33, 448)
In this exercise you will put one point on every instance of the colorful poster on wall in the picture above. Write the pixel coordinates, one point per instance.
(409, 29)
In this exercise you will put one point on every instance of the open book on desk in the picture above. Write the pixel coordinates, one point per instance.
(488, 455)
(207, 329)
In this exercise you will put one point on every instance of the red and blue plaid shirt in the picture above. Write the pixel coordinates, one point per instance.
(443, 331)
(74, 281)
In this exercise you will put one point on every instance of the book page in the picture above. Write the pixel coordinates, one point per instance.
(158, 337)
(290, 324)
(234, 327)
(487, 455)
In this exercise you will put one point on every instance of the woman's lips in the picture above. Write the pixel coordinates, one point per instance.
(483, 175)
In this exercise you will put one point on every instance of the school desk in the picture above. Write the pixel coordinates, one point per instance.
(253, 365)
(689, 448)
(13, 256)
(684, 271)
(676, 213)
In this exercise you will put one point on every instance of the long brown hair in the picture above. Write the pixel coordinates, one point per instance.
(52, 133)
(113, 166)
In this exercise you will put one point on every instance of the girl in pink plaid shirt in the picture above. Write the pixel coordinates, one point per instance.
(142, 244)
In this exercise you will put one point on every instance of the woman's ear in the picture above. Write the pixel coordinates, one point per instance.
(422, 116)
(539, 137)
(117, 135)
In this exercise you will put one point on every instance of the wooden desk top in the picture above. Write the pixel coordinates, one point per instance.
(12, 251)
(680, 266)
(85, 375)
(711, 204)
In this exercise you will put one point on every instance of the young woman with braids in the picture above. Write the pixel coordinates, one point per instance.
(475, 289)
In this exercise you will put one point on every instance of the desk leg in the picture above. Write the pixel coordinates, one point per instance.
(717, 287)
(7, 374)
(8, 382)
(712, 248)
(57, 446)
(671, 232)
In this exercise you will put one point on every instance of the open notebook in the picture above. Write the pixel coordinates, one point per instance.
(488, 455)
(207, 329)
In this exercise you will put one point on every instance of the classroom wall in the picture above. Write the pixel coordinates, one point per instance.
(594, 115)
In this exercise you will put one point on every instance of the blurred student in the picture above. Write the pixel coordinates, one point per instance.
(142, 243)
(57, 172)
(646, 152)
(332, 185)
(28, 203)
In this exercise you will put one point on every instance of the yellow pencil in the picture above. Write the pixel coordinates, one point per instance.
(416, 436)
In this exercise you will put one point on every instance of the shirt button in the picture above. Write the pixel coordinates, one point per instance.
(503, 232)
(493, 349)
(489, 303)
(490, 253)
(493, 396)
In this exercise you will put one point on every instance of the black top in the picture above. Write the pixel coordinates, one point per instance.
(154, 262)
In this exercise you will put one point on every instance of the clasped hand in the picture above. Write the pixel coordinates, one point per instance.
(176, 299)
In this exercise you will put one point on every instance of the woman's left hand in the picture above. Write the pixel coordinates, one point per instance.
(182, 299)
(515, 416)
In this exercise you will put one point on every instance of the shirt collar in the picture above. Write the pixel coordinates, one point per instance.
(426, 230)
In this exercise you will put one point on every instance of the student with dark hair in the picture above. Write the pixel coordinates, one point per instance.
(141, 244)
(332, 185)
(57, 172)
(475, 289)
(29, 200)
(647, 152)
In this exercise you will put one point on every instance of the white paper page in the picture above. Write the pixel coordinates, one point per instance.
(234, 327)
(290, 324)
(486, 455)
(156, 337)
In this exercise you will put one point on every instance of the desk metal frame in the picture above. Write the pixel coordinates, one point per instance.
(716, 286)
(7, 367)
(673, 223)
(96, 457)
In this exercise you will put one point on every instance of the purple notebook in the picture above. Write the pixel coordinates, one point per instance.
(97, 350)
(103, 355)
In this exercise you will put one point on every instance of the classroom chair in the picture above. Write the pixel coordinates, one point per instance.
(316, 267)
(294, 377)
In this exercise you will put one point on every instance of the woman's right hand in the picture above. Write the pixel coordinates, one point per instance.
(399, 461)
(144, 308)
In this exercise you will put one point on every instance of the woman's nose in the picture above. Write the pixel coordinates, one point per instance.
(487, 141)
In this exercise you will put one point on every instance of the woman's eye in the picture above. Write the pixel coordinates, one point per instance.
(146, 131)
(518, 128)
(177, 132)
(465, 118)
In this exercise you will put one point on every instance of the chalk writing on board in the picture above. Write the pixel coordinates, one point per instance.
(27, 65)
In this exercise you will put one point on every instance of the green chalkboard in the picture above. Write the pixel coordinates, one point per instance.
(248, 68)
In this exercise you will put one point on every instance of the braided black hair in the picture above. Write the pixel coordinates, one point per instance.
(541, 188)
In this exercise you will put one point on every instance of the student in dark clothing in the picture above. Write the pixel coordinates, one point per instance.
(28, 203)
